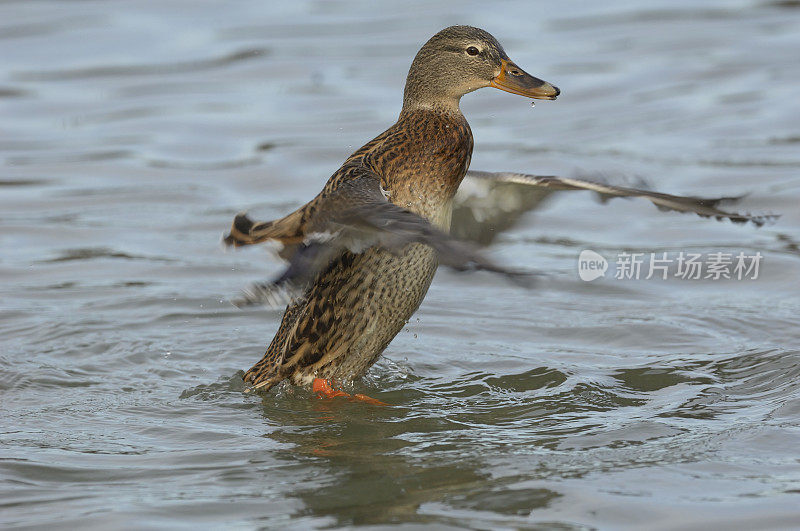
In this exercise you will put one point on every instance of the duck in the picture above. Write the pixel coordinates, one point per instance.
(362, 253)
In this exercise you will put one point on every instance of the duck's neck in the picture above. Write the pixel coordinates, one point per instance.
(426, 91)
(445, 105)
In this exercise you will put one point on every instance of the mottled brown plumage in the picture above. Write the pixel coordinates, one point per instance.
(362, 300)
(388, 207)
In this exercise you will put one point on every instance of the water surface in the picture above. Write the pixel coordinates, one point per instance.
(133, 132)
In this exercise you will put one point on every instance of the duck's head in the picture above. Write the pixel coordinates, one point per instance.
(460, 59)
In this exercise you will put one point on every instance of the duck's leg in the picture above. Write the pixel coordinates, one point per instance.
(324, 389)
(368, 400)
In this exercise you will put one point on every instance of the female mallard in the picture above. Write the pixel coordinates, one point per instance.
(391, 201)
(363, 252)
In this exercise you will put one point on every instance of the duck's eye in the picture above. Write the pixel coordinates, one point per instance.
(472, 50)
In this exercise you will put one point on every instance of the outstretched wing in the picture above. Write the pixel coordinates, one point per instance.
(288, 231)
(355, 217)
(511, 194)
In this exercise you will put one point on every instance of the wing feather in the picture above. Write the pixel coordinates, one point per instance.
(705, 207)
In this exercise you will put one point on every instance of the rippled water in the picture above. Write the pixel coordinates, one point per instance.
(132, 132)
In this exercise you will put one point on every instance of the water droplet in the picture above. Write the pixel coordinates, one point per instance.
(533, 104)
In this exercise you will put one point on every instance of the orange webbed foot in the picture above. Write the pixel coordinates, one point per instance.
(324, 389)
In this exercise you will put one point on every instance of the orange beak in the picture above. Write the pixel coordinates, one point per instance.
(515, 80)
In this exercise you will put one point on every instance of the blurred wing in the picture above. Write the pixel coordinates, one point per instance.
(483, 208)
(353, 218)
(706, 207)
